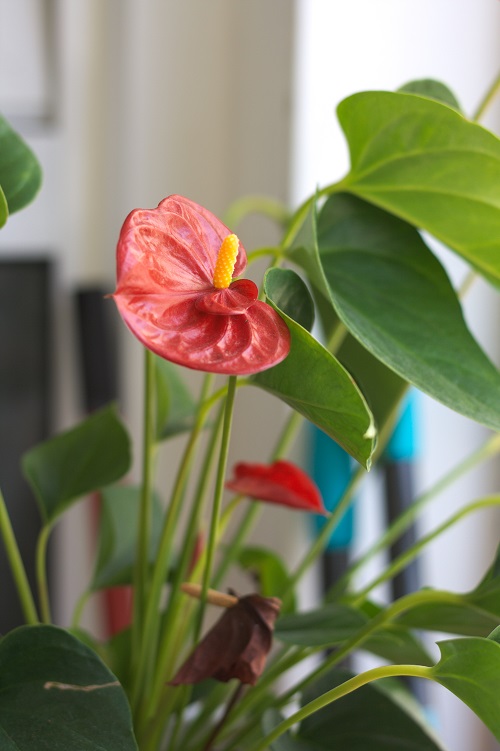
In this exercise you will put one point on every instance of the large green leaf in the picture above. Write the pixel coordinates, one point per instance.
(317, 386)
(57, 694)
(117, 541)
(373, 717)
(94, 454)
(333, 624)
(470, 668)
(424, 162)
(20, 172)
(395, 297)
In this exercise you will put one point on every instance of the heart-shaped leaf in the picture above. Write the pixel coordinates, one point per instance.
(94, 454)
(118, 535)
(395, 298)
(470, 668)
(424, 162)
(317, 386)
(58, 694)
(20, 172)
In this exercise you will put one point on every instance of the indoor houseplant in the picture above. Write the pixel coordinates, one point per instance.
(353, 256)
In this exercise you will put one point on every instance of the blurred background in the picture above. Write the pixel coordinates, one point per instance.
(127, 101)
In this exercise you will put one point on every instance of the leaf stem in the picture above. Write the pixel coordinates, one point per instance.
(404, 604)
(41, 573)
(414, 550)
(218, 493)
(338, 692)
(404, 520)
(239, 209)
(487, 99)
(17, 565)
(144, 522)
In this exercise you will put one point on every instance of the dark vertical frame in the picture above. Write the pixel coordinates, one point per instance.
(25, 406)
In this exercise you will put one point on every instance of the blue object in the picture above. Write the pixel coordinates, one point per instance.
(404, 444)
(331, 471)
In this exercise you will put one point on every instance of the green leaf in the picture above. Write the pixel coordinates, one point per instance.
(317, 386)
(371, 717)
(270, 572)
(333, 624)
(432, 89)
(175, 407)
(20, 172)
(290, 294)
(395, 298)
(79, 461)
(424, 162)
(470, 669)
(477, 614)
(117, 541)
(57, 694)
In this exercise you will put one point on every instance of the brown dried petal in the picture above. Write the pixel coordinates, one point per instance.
(237, 646)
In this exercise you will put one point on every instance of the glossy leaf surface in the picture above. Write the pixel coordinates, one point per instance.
(395, 298)
(470, 668)
(322, 391)
(57, 694)
(117, 541)
(94, 454)
(424, 162)
(20, 172)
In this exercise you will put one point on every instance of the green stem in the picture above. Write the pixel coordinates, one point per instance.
(408, 602)
(401, 524)
(218, 493)
(41, 573)
(170, 625)
(17, 566)
(352, 684)
(256, 205)
(79, 607)
(321, 540)
(487, 99)
(152, 614)
(144, 523)
(412, 552)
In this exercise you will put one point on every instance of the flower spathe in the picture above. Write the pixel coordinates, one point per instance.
(170, 297)
(281, 482)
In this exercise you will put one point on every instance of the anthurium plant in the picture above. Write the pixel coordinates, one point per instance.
(354, 259)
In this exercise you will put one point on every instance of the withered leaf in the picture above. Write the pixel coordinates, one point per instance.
(236, 646)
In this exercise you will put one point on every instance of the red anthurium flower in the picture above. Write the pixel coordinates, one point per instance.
(281, 482)
(175, 292)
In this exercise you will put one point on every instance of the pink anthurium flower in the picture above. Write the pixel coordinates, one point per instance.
(282, 482)
(175, 291)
